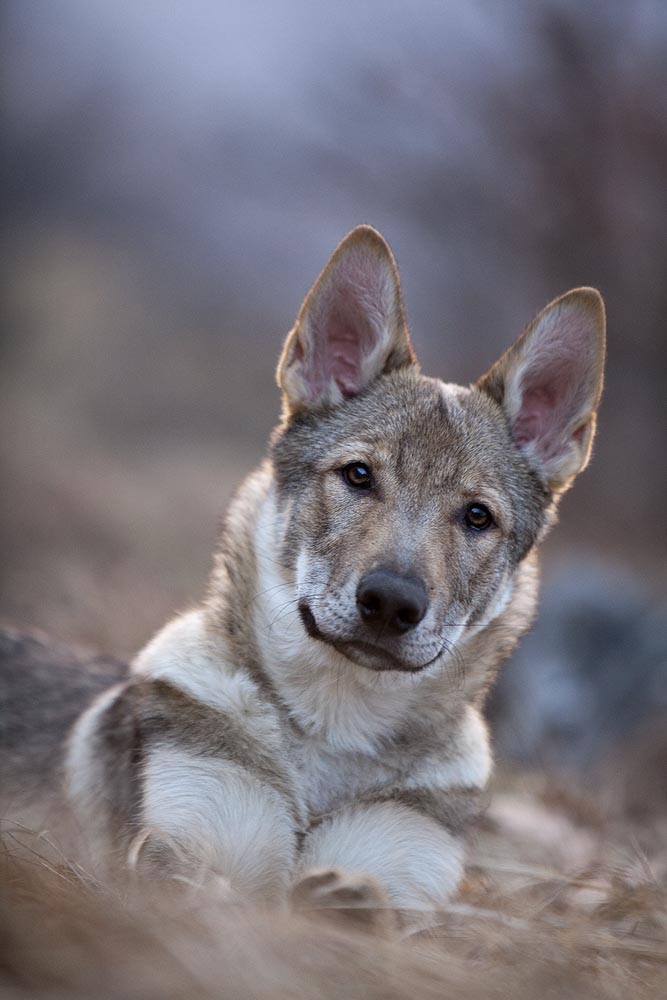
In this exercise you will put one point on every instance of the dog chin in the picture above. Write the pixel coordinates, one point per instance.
(365, 654)
(361, 653)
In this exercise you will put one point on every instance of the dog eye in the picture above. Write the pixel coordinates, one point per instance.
(478, 517)
(357, 475)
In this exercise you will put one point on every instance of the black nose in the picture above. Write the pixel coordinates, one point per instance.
(395, 602)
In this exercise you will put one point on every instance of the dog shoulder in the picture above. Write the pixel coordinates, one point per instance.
(188, 655)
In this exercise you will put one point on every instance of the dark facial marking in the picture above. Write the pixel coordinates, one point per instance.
(308, 619)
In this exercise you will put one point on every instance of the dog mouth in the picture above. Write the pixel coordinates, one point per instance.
(358, 651)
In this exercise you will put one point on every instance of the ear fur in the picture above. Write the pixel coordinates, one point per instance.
(549, 384)
(351, 327)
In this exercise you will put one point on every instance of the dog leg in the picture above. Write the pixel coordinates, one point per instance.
(415, 860)
(206, 819)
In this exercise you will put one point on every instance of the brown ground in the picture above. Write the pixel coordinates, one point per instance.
(565, 897)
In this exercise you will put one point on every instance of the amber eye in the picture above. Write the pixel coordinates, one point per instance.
(478, 517)
(357, 475)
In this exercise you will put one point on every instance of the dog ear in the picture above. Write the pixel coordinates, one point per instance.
(549, 384)
(351, 327)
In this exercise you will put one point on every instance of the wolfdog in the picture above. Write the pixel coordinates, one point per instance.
(313, 730)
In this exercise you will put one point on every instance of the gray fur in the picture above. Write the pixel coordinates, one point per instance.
(276, 699)
(45, 687)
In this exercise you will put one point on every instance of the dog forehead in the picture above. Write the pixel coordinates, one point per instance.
(426, 420)
(421, 426)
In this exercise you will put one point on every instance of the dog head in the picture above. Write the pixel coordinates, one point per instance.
(408, 503)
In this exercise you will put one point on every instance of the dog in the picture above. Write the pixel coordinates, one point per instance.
(313, 730)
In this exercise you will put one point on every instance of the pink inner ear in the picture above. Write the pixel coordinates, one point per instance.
(338, 354)
(551, 399)
(347, 343)
(536, 421)
(347, 320)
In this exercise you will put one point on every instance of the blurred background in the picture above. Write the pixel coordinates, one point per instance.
(176, 175)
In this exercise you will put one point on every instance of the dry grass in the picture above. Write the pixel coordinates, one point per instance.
(559, 902)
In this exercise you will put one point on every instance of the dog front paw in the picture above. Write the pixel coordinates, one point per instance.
(350, 899)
